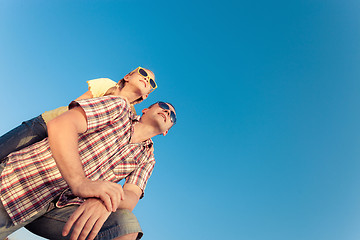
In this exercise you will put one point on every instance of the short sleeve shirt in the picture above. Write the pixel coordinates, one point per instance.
(31, 180)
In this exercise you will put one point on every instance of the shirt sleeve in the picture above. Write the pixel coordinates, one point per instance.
(102, 111)
(142, 173)
(98, 87)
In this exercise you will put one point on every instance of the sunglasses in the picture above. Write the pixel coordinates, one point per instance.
(165, 106)
(143, 73)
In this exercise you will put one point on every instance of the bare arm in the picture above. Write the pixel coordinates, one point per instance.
(91, 215)
(63, 134)
(63, 138)
(133, 194)
(86, 95)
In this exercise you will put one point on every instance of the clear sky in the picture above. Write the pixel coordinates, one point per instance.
(266, 146)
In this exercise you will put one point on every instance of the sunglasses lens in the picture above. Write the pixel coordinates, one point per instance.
(164, 105)
(143, 72)
(152, 83)
(173, 117)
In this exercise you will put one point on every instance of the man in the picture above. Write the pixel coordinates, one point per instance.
(107, 150)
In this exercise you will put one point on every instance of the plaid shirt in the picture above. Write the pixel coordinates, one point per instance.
(31, 179)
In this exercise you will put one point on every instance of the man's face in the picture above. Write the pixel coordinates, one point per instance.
(161, 115)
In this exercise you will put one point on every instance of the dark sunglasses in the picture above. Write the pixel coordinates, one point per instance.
(143, 73)
(165, 106)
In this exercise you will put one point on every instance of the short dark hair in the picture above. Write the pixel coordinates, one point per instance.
(164, 102)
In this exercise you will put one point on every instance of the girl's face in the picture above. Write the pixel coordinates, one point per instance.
(141, 82)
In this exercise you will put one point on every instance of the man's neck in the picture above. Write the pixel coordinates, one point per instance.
(142, 133)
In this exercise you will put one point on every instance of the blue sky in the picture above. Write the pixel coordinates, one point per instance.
(266, 146)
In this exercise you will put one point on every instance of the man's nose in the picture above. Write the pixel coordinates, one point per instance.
(167, 112)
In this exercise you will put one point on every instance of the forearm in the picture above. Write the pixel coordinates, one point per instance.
(130, 200)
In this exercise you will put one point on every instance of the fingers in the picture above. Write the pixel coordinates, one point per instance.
(110, 193)
(108, 201)
(96, 228)
(72, 220)
(83, 228)
(119, 192)
(88, 218)
(122, 194)
(113, 196)
(83, 222)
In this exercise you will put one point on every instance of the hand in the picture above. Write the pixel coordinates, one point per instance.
(110, 193)
(90, 216)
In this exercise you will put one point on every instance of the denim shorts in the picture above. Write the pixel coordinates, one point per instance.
(119, 223)
(6, 225)
(50, 222)
(29, 132)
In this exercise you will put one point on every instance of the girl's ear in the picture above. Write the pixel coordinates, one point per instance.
(126, 78)
(145, 97)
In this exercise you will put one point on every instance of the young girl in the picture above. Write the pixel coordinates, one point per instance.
(134, 87)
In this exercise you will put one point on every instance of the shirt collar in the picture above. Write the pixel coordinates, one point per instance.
(135, 118)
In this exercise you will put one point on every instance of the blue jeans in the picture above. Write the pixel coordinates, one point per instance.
(50, 225)
(51, 220)
(6, 225)
(29, 132)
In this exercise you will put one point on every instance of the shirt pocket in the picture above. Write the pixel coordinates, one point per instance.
(124, 168)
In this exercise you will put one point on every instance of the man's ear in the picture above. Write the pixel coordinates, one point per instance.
(164, 133)
(144, 110)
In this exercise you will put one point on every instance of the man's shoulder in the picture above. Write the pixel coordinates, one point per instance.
(110, 99)
(103, 104)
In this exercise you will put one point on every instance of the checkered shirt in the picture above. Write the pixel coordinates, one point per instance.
(31, 179)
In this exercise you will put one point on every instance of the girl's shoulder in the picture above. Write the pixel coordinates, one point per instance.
(98, 87)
